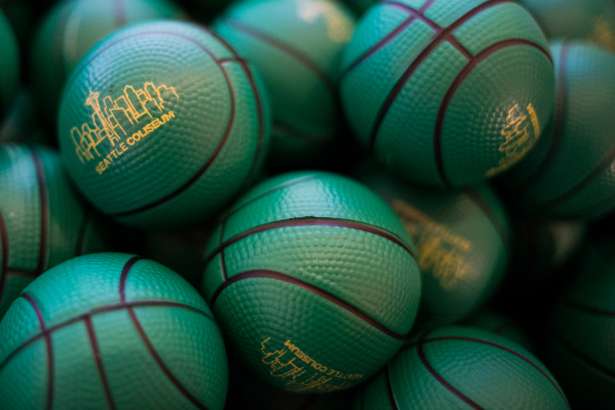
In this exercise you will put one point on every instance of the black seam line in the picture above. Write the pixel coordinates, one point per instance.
(313, 221)
(282, 277)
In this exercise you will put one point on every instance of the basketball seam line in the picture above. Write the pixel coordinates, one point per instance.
(48, 349)
(456, 84)
(502, 348)
(146, 340)
(313, 221)
(560, 109)
(585, 358)
(100, 310)
(440, 378)
(586, 308)
(389, 385)
(413, 15)
(437, 39)
(289, 50)
(44, 209)
(479, 201)
(221, 143)
(324, 294)
(98, 361)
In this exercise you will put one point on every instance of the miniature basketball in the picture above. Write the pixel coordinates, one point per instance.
(302, 265)
(111, 331)
(570, 174)
(9, 61)
(162, 124)
(71, 29)
(42, 221)
(448, 93)
(463, 367)
(296, 45)
(462, 240)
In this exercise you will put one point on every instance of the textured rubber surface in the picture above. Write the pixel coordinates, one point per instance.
(570, 174)
(462, 240)
(296, 45)
(9, 64)
(71, 28)
(592, 20)
(162, 124)
(448, 94)
(313, 279)
(111, 331)
(42, 221)
(581, 349)
(463, 368)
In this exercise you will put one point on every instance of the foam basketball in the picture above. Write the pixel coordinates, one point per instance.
(71, 29)
(448, 93)
(501, 325)
(580, 343)
(313, 280)
(9, 64)
(162, 124)
(42, 221)
(570, 173)
(462, 240)
(592, 20)
(463, 367)
(111, 331)
(296, 45)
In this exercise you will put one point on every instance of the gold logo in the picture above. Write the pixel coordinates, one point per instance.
(120, 123)
(603, 33)
(440, 251)
(520, 134)
(339, 29)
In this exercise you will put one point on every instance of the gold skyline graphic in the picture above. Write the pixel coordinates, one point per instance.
(114, 119)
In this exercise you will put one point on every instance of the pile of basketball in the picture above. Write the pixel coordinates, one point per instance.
(402, 204)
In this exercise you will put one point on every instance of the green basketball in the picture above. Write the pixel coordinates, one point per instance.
(463, 368)
(314, 281)
(162, 124)
(448, 93)
(462, 240)
(111, 331)
(500, 325)
(42, 221)
(9, 64)
(581, 342)
(571, 173)
(296, 45)
(70, 29)
(576, 19)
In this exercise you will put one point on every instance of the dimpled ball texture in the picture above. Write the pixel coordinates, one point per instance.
(296, 45)
(571, 173)
(42, 221)
(580, 341)
(460, 368)
(448, 93)
(592, 20)
(70, 29)
(462, 239)
(111, 331)
(9, 64)
(161, 124)
(313, 280)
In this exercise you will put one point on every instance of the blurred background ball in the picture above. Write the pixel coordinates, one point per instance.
(463, 367)
(111, 331)
(462, 240)
(581, 342)
(592, 20)
(70, 29)
(571, 173)
(314, 281)
(42, 221)
(296, 45)
(448, 93)
(9, 64)
(162, 124)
